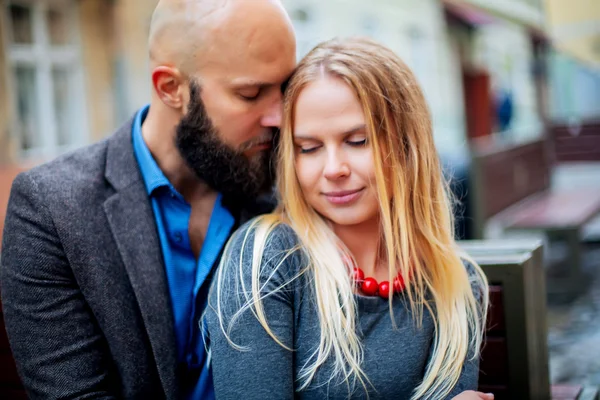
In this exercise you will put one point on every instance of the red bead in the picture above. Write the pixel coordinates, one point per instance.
(358, 276)
(384, 289)
(369, 287)
(398, 284)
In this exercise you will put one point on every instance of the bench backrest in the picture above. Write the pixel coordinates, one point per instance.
(514, 362)
(576, 142)
(503, 177)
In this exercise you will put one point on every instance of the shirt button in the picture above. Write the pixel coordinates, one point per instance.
(178, 237)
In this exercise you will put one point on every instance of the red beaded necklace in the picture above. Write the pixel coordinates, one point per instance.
(370, 287)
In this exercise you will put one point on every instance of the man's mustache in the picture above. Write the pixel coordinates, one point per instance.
(266, 137)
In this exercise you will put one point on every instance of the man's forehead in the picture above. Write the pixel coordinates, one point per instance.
(242, 66)
(248, 82)
(255, 75)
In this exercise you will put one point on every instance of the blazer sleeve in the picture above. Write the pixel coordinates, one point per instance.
(58, 347)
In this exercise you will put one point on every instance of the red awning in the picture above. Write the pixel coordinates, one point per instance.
(467, 13)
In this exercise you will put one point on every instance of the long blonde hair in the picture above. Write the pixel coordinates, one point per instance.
(417, 226)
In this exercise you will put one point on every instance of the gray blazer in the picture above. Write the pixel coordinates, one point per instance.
(84, 289)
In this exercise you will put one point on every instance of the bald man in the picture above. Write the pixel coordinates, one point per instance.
(108, 252)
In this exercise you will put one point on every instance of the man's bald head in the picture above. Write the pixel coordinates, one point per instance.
(185, 34)
(217, 67)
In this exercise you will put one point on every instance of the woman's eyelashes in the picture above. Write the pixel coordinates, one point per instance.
(307, 149)
(357, 143)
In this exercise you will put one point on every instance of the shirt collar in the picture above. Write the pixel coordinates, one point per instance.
(152, 175)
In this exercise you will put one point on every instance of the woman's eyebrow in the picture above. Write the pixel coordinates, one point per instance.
(357, 128)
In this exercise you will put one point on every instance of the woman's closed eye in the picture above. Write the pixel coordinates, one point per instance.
(357, 142)
(311, 148)
(306, 149)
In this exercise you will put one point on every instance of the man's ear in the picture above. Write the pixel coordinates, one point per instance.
(168, 84)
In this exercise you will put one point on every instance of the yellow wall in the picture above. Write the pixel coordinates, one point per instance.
(573, 11)
(574, 26)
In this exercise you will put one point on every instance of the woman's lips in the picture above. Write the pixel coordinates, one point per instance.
(344, 197)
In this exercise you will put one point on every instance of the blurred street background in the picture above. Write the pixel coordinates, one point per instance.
(513, 87)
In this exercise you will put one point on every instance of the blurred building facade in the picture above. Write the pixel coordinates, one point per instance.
(57, 83)
(71, 71)
(502, 50)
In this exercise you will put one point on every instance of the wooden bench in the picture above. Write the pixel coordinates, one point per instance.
(561, 216)
(514, 363)
(580, 142)
(513, 193)
(574, 392)
(503, 177)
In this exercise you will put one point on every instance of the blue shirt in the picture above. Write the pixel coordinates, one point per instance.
(186, 275)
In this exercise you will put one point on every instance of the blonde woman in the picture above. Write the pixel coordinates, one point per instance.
(354, 287)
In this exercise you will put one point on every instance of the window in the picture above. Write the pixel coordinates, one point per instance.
(45, 75)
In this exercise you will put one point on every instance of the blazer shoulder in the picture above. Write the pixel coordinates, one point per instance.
(67, 175)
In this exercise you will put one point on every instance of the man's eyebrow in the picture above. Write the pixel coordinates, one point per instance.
(252, 84)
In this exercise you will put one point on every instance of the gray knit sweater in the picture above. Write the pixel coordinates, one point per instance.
(395, 359)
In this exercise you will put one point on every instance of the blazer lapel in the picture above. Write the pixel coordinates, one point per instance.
(133, 226)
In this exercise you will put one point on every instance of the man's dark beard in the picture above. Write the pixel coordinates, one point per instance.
(239, 179)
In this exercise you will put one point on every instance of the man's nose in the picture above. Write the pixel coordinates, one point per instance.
(273, 114)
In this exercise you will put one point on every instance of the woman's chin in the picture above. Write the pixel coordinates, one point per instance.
(347, 218)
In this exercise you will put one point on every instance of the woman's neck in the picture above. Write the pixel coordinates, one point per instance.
(363, 241)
